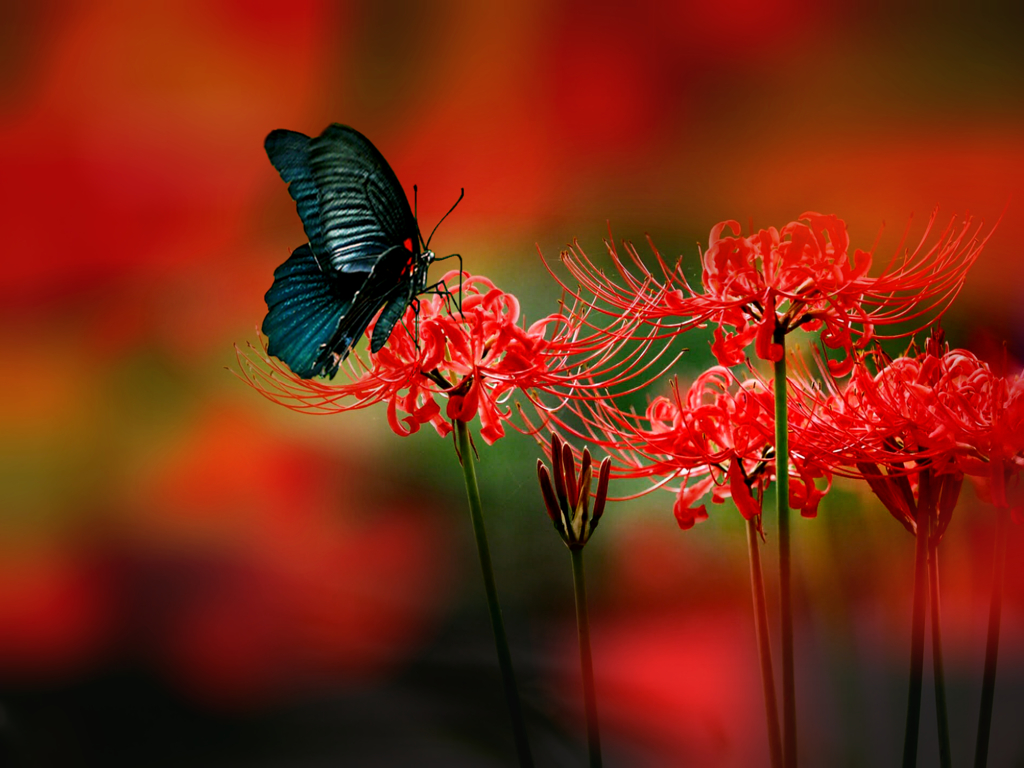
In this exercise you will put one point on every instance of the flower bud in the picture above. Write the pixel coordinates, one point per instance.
(567, 495)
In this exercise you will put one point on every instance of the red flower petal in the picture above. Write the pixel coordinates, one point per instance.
(741, 495)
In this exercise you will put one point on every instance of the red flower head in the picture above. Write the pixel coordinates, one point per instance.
(911, 430)
(760, 287)
(717, 437)
(996, 408)
(474, 359)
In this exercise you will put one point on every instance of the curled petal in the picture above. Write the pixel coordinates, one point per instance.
(686, 514)
(728, 347)
(841, 367)
(767, 349)
(741, 495)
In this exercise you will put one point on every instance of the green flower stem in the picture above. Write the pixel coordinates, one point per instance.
(586, 660)
(500, 640)
(988, 684)
(917, 631)
(785, 574)
(945, 758)
(764, 648)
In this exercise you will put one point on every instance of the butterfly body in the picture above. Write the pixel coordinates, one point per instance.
(363, 255)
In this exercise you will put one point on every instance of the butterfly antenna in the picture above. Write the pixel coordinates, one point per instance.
(416, 213)
(462, 193)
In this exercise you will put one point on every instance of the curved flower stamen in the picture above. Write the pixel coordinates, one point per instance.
(802, 275)
(473, 359)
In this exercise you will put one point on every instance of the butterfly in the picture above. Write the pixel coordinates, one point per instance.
(365, 252)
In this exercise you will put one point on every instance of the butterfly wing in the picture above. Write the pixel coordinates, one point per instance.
(352, 206)
(305, 308)
(289, 154)
(363, 242)
(390, 315)
(384, 286)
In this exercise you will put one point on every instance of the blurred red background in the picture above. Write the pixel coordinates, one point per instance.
(166, 536)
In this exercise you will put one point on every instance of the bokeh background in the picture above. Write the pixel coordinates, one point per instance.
(190, 575)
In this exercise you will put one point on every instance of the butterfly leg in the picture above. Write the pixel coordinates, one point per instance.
(415, 304)
(441, 287)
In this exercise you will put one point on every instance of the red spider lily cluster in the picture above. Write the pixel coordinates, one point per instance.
(758, 287)
(717, 436)
(937, 414)
(912, 427)
(473, 357)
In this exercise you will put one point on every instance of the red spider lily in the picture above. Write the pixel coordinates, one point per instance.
(1004, 449)
(474, 357)
(717, 436)
(999, 407)
(913, 428)
(800, 276)
(1005, 452)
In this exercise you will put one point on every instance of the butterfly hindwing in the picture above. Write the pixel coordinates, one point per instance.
(389, 317)
(305, 306)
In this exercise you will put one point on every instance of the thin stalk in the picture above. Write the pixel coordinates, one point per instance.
(917, 633)
(586, 660)
(945, 757)
(988, 684)
(500, 640)
(764, 648)
(785, 573)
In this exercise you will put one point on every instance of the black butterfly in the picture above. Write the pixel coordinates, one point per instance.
(364, 252)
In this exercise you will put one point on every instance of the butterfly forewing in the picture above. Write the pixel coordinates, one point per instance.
(363, 210)
(289, 154)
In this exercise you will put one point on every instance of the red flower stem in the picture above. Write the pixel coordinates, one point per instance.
(917, 630)
(988, 684)
(764, 647)
(945, 759)
(500, 640)
(586, 660)
(785, 574)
